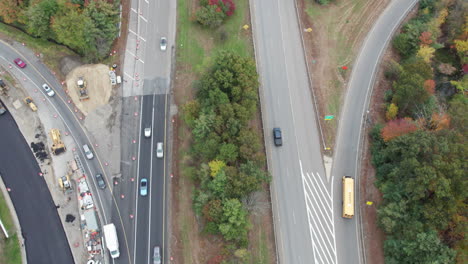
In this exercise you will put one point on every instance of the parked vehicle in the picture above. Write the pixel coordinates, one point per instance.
(29, 102)
(57, 144)
(111, 240)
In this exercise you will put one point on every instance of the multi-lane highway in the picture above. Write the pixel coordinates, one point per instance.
(147, 71)
(306, 202)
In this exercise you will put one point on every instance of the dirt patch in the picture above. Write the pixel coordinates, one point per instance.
(97, 83)
(338, 31)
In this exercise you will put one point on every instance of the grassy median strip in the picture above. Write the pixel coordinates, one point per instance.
(10, 252)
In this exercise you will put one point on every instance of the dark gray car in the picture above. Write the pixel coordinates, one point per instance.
(100, 181)
(277, 137)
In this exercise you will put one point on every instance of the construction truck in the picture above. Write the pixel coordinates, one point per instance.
(57, 144)
(29, 102)
(112, 242)
(82, 91)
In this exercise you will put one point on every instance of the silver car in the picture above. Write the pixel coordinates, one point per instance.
(88, 153)
(163, 44)
(156, 255)
(48, 90)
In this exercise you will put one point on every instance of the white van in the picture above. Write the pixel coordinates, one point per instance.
(88, 153)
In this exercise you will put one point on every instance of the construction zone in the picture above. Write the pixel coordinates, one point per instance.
(57, 145)
(90, 86)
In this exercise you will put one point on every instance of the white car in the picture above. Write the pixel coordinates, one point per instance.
(88, 153)
(48, 90)
(148, 132)
(159, 150)
(163, 44)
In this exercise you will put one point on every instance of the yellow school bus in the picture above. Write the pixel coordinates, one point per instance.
(348, 197)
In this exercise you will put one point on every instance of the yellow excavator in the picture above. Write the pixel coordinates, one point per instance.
(57, 144)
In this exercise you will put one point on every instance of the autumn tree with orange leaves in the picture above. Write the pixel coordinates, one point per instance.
(398, 127)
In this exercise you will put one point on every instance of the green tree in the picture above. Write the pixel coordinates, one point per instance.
(228, 152)
(39, 16)
(10, 10)
(216, 166)
(104, 30)
(409, 94)
(71, 28)
(458, 108)
(235, 224)
(424, 248)
(392, 111)
(248, 179)
(210, 16)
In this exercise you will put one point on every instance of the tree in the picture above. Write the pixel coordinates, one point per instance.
(410, 94)
(39, 16)
(216, 166)
(396, 128)
(72, 27)
(426, 38)
(426, 53)
(235, 224)
(446, 68)
(458, 107)
(210, 16)
(213, 211)
(462, 49)
(10, 10)
(440, 121)
(392, 111)
(248, 179)
(424, 248)
(429, 85)
(228, 152)
(104, 30)
(462, 85)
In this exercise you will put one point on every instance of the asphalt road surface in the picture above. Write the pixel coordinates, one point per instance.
(301, 194)
(346, 161)
(147, 71)
(42, 230)
(36, 74)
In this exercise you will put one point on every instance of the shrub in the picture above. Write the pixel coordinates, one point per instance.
(210, 16)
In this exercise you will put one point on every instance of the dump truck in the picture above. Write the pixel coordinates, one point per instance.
(57, 144)
(111, 240)
(29, 102)
(82, 91)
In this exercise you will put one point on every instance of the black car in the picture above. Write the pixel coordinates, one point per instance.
(278, 139)
(100, 181)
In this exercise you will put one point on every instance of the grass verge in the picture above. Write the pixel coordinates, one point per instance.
(51, 52)
(10, 252)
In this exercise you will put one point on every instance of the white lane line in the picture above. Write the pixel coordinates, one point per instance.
(320, 237)
(307, 207)
(134, 10)
(321, 225)
(323, 204)
(129, 76)
(144, 19)
(133, 32)
(150, 181)
(322, 209)
(322, 184)
(136, 185)
(333, 222)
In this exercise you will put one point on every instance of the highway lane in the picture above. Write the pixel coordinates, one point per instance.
(40, 224)
(36, 73)
(301, 193)
(347, 151)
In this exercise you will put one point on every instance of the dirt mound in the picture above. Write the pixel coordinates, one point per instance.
(98, 84)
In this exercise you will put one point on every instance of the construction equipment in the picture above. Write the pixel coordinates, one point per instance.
(29, 102)
(64, 183)
(57, 144)
(82, 91)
